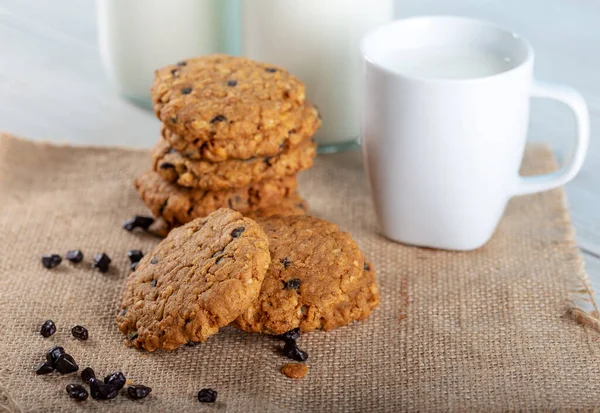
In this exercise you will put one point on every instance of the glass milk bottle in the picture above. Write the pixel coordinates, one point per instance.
(317, 41)
(139, 36)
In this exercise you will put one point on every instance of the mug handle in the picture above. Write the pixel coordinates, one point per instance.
(574, 100)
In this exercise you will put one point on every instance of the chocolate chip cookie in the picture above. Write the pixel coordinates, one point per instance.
(197, 280)
(174, 167)
(318, 279)
(178, 205)
(257, 145)
(226, 97)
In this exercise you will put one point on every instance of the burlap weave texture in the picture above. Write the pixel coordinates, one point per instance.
(483, 330)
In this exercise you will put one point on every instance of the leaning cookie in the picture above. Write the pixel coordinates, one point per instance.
(178, 205)
(318, 279)
(226, 97)
(256, 146)
(215, 176)
(197, 280)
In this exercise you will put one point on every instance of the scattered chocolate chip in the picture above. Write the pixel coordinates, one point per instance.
(102, 391)
(291, 350)
(286, 262)
(138, 221)
(268, 159)
(87, 374)
(173, 120)
(80, 332)
(192, 343)
(232, 83)
(293, 284)
(48, 328)
(45, 367)
(101, 262)
(74, 256)
(270, 70)
(182, 63)
(290, 335)
(154, 261)
(134, 265)
(174, 72)
(77, 392)
(116, 379)
(51, 260)
(54, 353)
(138, 392)
(153, 283)
(186, 90)
(366, 267)
(166, 165)
(133, 335)
(218, 118)
(207, 396)
(237, 232)
(66, 364)
(135, 255)
(124, 312)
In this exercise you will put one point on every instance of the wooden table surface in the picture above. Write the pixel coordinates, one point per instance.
(52, 86)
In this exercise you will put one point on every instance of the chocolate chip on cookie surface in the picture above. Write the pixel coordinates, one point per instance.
(197, 280)
(226, 97)
(230, 174)
(334, 287)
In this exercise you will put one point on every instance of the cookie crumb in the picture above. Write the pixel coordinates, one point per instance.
(295, 370)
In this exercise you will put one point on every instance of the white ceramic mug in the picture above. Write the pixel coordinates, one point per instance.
(442, 154)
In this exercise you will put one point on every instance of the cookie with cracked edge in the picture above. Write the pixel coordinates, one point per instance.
(318, 279)
(197, 280)
(179, 205)
(225, 97)
(258, 145)
(215, 176)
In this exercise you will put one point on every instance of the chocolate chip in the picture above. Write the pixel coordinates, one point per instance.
(290, 335)
(192, 343)
(138, 392)
(291, 350)
(173, 120)
(66, 364)
(182, 63)
(153, 283)
(218, 118)
(292, 131)
(80, 332)
(186, 90)
(270, 70)
(232, 83)
(135, 255)
(267, 160)
(286, 262)
(101, 262)
(45, 367)
(366, 267)
(237, 232)
(154, 260)
(74, 256)
(163, 206)
(48, 328)
(116, 379)
(291, 284)
(133, 335)
(229, 203)
(138, 221)
(207, 396)
(102, 391)
(51, 260)
(166, 165)
(175, 72)
(124, 312)
(87, 374)
(54, 353)
(134, 265)
(77, 392)
(190, 210)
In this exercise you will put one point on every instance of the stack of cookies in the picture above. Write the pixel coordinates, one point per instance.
(235, 134)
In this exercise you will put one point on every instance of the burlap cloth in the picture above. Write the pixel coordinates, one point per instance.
(483, 330)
